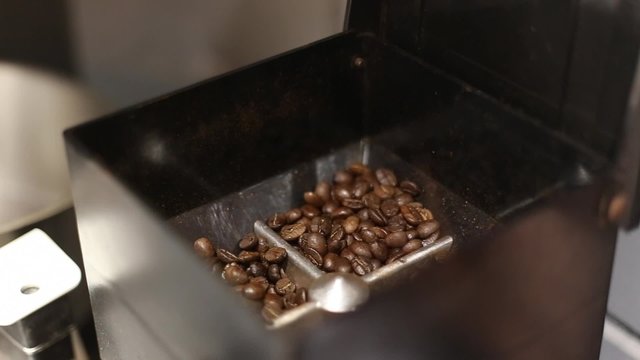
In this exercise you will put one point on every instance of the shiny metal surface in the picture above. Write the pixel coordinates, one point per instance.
(338, 293)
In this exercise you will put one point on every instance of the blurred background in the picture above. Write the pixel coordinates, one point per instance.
(62, 62)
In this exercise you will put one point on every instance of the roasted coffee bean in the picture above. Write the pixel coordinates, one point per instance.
(254, 291)
(341, 212)
(389, 207)
(351, 224)
(397, 192)
(375, 264)
(313, 199)
(356, 236)
(410, 188)
(234, 274)
(257, 269)
(275, 255)
(347, 254)
(368, 235)
(403, 199)
(273, 273)
(431, 239)
(227, 256)
(263, 245)
(293, 231)
(301, 295)
(321, 224)
(415, 204)
(360, 188)
(248, 242)
(304, 221)
(394, 255)
(336, 245)
(412, 234)
(379, 250)
(386, 177)
(276, 221)
(310, 211)
(411, 215)
(290, 301)
(366, 224)
(363, 214)
(285, 286)
(329, 262)
(358, 169)
(377, 217)
(323, 190)
(354, 204)
(261, 280)
(343, 265)
(247, 257)
(293, 215)
(342, 177)
(329, 207)
(371, 201)
(396, 239)
(396, 223)
(380, 232)
(313, 256)
(361, 266)
(427, 228)
(337, 232)
(411, 246)
(341, 192)
(349, 239)
(270, 313)
(314, 241)
(384, 191)
(361, 249)
(425, 214)
(204, 248)
(274, 300)
(216, 266)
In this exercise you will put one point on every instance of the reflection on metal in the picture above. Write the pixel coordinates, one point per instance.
(338, 293)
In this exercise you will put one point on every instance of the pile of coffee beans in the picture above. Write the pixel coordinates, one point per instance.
(361, 221)
(256, 271)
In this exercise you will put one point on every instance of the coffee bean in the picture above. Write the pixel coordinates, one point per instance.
(234, 274)
(431, 239)
(358, 169)
(363, 214)
(247, 257)
(361, 266)
(276, 221)
(380, 232)
(285, 286)
(396, 239)
(275, 255)
(273, 273)
(336, 245)
(415, 204)
(349, 239)
(411, 246)
(263, 245)
(341, 212)
(313, 256)
(360, 188)
(368, 235)
(329, 207)
(290, 301)
(301, 295)
(412, 234)
(337, 232)
(396, 223)
(410, 188)
(425, 214)
(293, 231)
(204, 248)
(227, 256)
(341, 192)
(366, 224)
(411, 215)
(321, 224)
(384, 191)
(248, 242)
(354, 204)
(403, 199)
(323, 190)
(389, 207)
(304, 221)
(394, 255)
(314, 241)
(351, 224)
(377, 217)
(376, 264)
(379, 250)
(347, 254)
(427, 228)
(371, 201)
(342, 177)
(293, 215)
(254, 291)
(329, 262)
(386, 177)
(257, 269)
(310, 211)
(361, 249)
(313, 199)
(270, 313)
(356, 236)
(343, 265)
(274, 300)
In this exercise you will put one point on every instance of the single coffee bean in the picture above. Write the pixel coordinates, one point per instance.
(379, 250)
(227, 256)
(329, 207)
(248, 242)
(257, 269)
(377, 217)
(375, 264)
(380, 232)
(358, 169)
(396, 239)
(431, 239)
(342, 177)
(371, 201)
(273, 273)
(285, 286)
(204, 248)
(366, 224)
(360, 188)
(274, 300)
(341, 192)
(343, 265)
(270, 313)
(337, 232)
(290, 301)
(247, 257)
(310, 211)
(411, 246)
(361, 249)
(363, 214)
(263, 245)
(321, 224)
(357, 237)
(397, 192)
(389, 207)
(293, 215)
(313, 199)
(384, 191)
(336, 245)
(323, 190)
(301, 295)
(347, 254)
(329, 262)
(411, 215)
(386, 177)
(354, 204)
(361, 266)
(260, 280)
(254, 291)
(426, 228)
(314, 241)
(396, 223)
(412, 234)
(368, 235)
(234, 274)
(276, 221)
(341, 212)
(304, 221)
(403, 199)
(425, 214)
(349, 239)
(313, 256)
(394, 255)
(410, 188)
(351, 224)
(292, 232)
(275, 255)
